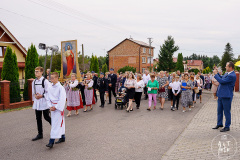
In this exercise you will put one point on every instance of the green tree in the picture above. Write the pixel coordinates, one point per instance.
(56, 61)
(166, 53)
(104, 68)
(91, 63)
(216, 60)
(179, 65)
(30, 65)
(127, 68)
(101, 61)
(95, 65)
(227, 56)
(10, 73)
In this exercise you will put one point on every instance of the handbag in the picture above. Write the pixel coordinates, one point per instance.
(196, 90)
(161, 90)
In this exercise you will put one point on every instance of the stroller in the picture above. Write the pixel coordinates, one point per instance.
(121, 99)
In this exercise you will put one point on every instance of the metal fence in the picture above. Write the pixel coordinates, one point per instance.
(21, 82)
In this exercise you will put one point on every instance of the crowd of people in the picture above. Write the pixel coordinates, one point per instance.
(179, 88)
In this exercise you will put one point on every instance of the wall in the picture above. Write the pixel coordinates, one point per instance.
(20, 57)
(127, 53)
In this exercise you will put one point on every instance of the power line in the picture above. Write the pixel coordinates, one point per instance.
(41, 21)
(73, 16)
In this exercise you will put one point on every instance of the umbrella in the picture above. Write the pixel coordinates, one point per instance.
(237, 64)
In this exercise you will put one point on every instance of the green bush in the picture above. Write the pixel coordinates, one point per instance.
(127, 68)
(10, 73)
(195, 70)
(30, 65)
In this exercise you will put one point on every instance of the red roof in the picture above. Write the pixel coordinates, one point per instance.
(18, 45)
(174, 59)
(194, 62)
(134, 41)
(20, 64)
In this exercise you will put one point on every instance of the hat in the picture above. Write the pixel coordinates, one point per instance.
(93, 72)
(102, 73)
(82, 73)
(111, 69)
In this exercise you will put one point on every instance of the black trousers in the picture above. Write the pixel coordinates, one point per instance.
(83, 97)
(137, 98)
(146, 92)
(176, 98)
(39, 119)
(95, 95)
(102, 93)
(110, 91)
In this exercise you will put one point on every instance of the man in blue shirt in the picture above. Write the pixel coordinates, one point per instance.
(225, 95)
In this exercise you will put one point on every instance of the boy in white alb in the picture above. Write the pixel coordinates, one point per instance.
(39, 94)
(56, 100)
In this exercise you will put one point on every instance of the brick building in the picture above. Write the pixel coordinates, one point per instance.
(195, 64)
(133, 53)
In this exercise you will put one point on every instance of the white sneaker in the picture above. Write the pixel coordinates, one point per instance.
(184, 111)
(190, 109)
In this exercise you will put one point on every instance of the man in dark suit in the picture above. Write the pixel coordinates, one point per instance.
(225, 95)
(112, 85)
(95, 79)
(82, 87)
(102, 85)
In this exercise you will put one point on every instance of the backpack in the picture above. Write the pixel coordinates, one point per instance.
(39, 84)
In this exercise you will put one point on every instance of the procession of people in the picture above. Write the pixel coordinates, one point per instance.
(52, 96)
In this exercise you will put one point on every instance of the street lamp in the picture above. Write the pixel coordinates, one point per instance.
(54, 48)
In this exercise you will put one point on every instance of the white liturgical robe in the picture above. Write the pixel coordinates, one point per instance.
(37, 88)
(57, 97)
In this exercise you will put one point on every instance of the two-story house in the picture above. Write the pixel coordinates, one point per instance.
(7, 39)
(133, 53)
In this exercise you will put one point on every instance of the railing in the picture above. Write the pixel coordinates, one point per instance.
(21, 82)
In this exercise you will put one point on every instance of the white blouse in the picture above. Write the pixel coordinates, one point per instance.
(139, 84)
(73, 84)
(130, 83)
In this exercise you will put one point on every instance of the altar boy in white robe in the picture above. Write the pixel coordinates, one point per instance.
(56, 100)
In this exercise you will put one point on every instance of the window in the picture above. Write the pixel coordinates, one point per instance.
(150, 59)
(143, 69)
(2, 51)
(144, 50)
(143, 59)
(149, 50)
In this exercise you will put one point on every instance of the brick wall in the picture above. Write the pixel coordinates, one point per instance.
(5, 96)
(127, 53)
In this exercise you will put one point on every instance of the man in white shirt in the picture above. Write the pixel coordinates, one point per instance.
(39, 94)
(146, 78)
(56, 100)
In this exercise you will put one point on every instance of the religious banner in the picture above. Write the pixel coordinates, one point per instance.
(69, 60)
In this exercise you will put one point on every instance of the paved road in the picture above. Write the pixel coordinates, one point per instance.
(199, 141)
(102, 134)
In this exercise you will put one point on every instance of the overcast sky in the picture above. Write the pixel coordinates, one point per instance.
(199, 26)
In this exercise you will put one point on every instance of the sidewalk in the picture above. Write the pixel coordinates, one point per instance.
(195, 141)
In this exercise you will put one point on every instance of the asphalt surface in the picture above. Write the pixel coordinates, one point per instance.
(101, 134)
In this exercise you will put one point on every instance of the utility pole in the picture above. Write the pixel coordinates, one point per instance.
(83, 58)
(150, 42)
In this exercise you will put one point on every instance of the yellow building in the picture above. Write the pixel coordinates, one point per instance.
(7, 39)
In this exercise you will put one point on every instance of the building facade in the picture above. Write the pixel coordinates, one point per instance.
(132, 53)
(7, 39)
(195, 64)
